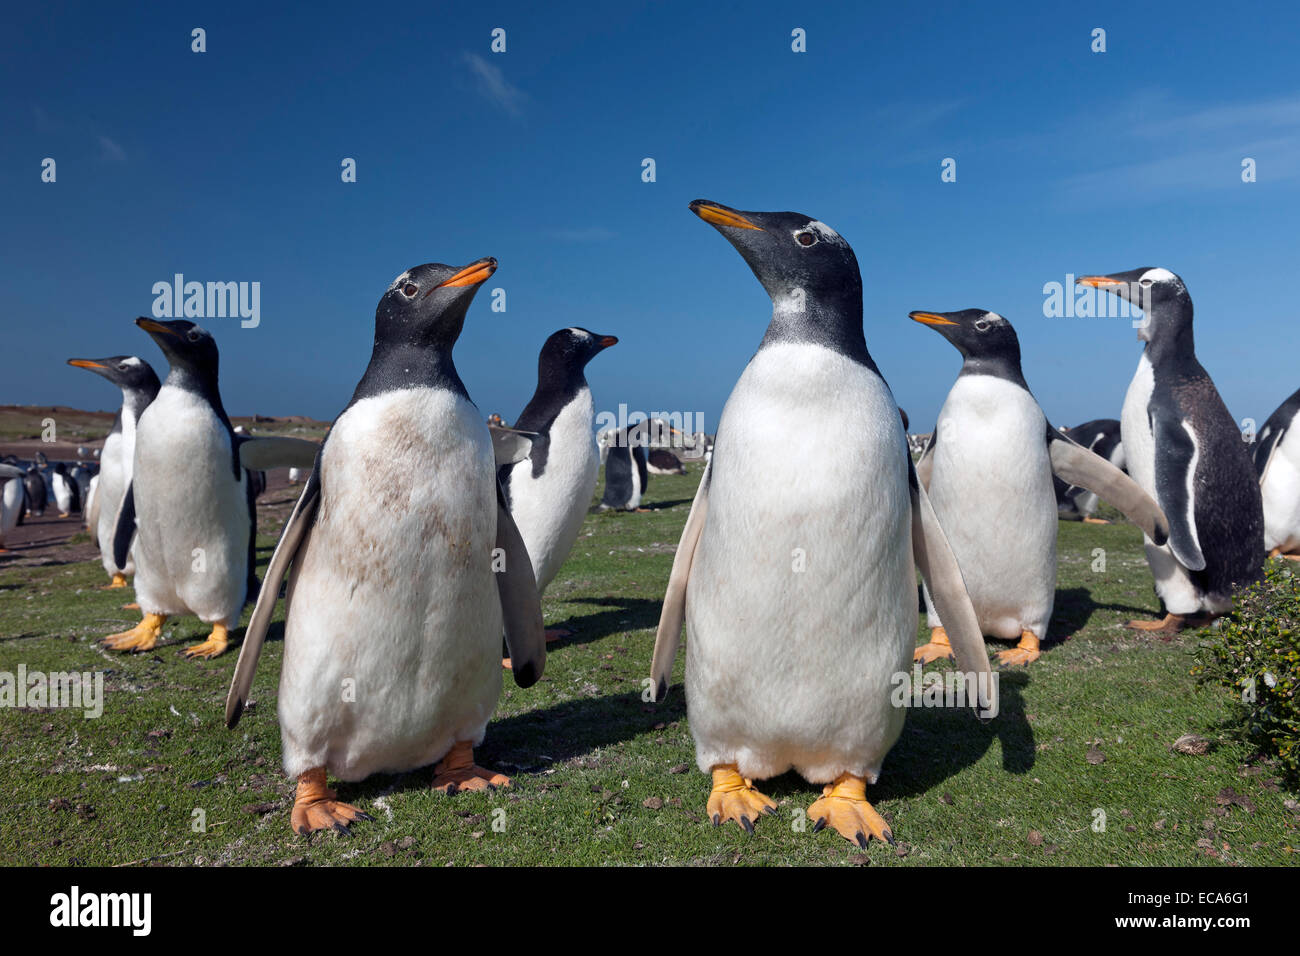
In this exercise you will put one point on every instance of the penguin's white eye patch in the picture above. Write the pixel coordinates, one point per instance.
(193, 335)
(982, 325)
(410, 289)
(805, 238)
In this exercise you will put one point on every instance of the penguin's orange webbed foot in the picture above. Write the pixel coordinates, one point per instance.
(315, 806)
(214, 646)
(143, 637)
(457, 771)
(939, 647)
(735, 798)
(119, 581)
(1026, 652)
(1170, 623)
(1091, 520)
(844, 806)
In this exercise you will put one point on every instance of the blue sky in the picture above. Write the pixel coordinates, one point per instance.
(225, 166)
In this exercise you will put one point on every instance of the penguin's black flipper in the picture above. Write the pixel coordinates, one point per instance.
(124, 530)
(1175, 458)
(521, 605)
(939, 568)
(669, 635)
(1073, 463)
(295, 529)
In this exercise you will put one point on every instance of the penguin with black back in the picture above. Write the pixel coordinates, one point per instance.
(1184, 448)
(795, 574)
(1277, 462)
(626, 468)
(988, 468)
(404, 598)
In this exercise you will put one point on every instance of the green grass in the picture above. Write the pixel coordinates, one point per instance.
(603, 778)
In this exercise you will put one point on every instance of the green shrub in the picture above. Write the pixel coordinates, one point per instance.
(1253, 651)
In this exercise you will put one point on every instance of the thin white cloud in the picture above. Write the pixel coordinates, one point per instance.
(493, 85)
(111, 151)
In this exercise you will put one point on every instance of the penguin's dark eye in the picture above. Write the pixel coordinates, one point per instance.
(410, 289)
(123, 367)
(982, 325)
(805, 238)
(1146, 283)
(193, 335)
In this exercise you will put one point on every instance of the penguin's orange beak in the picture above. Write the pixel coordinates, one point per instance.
(929, 318)
(85, 363)
(149, 325)
(1097, 282)
(608, 340)
(716, 215)
(472, 274)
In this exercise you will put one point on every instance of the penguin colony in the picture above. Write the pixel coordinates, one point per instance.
(408, 596)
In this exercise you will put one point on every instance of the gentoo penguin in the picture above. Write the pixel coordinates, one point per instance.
(1277, 462)
(1101, 437)
(660, 461)
(256, 479)
(404, 602)
(12, 496)
(139, 384)
(550, 491)
(66, 493)
(187, 502)
(37, 493)
(1183, 447)
(800, 608)
(988, 468)
(626, 474)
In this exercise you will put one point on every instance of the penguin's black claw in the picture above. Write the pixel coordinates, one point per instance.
(889, 838)
(861, 838)
(819, 825)
(452, 790)
(342, 828)
(747, 824)
(364, 816)
(770, 810)
(717, 819)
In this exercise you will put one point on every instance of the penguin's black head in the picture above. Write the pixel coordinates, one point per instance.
(128, 372)
(426, 305)
(798, 260)
(1159, 293)
(188, 347)
(571, 349)
(975, 333)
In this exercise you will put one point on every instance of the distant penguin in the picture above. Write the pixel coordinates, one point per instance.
(139, 385)
(1101, 437)
(256, 479)
(1277, 462)
(626, 472)
(660, 461)
(406, 597)
(295, 475)
(549, 492)
(81, 474)
(988, 469)
(1183, 447)
(187, 504)
(12, 495)
(795, 573)
(37, 492)
(66, 493)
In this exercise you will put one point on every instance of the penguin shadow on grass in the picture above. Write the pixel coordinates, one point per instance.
(1073, 610)
(624, 614)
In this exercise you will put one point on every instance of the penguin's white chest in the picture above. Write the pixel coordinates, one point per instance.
(1281, 492)
(62, 492)
(116, 462)
(394, 627)
(991, 487)
(191, 549)
(1135, 428)
(801, 605)
(549, 508)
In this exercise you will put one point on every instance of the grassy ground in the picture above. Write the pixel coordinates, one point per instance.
(601, 777)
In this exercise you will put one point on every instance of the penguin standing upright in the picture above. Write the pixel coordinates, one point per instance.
(37, 492)
(1277, 462)
(12, 495)
(139, 384)
(626, 471)
(549, 492)
(1101, 437)
(1183, 447)
(795, 573)
(406, 600)
(988, 468)
(66, 493)
(187, 502)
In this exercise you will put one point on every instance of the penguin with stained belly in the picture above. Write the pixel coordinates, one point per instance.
(626, 470)
(66, 493)
(795, 573)
(1183, 447)
(187, 504)
(139, 384)
(550, 491)
(403, 598)
(988, 469)
(1277, 462)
